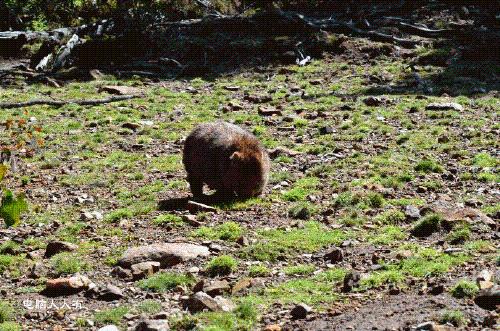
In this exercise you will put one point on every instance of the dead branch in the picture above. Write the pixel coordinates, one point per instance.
(58, 103)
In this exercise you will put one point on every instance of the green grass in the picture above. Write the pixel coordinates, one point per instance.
(229, 231)
(300, 269)
(165, 281)
(427, 225)
(6, 311)
(10, 326)
(111, 316)
(454, 317)
(387, 235)
(428, 166)
(168, 219)
(464, 289)
(484, 160)
(68, 263)
(221, 265)
(276, 242)
(258, 270)
(149, 307)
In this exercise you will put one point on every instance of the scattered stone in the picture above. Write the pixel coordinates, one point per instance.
(412, 212)
(201, 301)
(372, 101)
(326, 130)
(452, 213)
(269, 111)
(484, 280)
(131, 126)
(55, 247)
(431, 326)
(445, 106)
(122, 273)
(300, 311)
(213, 288)
(196, 207)
(121, 90)
(242, 241)
(153, 325)
(194, 270)
(168, 254)
(144, 269)
(489, 298)
(37, 270)
(351, 280)
(316, 82)
(279, 151)
(110, 293)
(66, 286)
(272, 327)
(232, 88)
(334, 256)
(215, 248)
(258, 98)
(109, 328)
(192, 220)
(241, 285)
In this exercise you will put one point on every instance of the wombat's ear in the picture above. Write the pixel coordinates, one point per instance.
(236, 156)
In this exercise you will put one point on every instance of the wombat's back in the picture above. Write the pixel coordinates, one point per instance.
(209, 157)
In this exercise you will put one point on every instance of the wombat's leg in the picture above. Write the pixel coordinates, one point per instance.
(196, 186)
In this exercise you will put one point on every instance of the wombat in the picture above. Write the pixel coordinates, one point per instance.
(227, 158)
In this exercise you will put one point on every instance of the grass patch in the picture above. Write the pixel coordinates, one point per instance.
(428, 166)
(454, 317)
(427, 225)
(300, 269)
(221, 265)
(67, 263)
(258, 270)
(168, 219)
(464, 289)
(276, 242)
(165, 281)
(6, 311)
(149, 307)
(229, 231)
(111, 316)
(387, 235)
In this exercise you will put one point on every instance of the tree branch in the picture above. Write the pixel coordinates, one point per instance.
(58, 103)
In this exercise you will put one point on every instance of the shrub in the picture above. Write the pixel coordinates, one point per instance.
(427, 225)
(454, 317)
(165, 281)
(464, 289)
(221, 265)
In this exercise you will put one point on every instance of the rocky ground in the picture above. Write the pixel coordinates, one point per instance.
(381, 213)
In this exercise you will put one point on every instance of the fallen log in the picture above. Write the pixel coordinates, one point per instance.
(59, 103)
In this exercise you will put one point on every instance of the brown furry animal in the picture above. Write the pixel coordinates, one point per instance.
(227, 158)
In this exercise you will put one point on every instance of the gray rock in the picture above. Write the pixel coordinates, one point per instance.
(201, 301)
(144, 269)
(372, 101)
(334, 256)
(214, 288)
(110, 293)
(153, 325)
(351, 280)
(109, 328)
(445, 106)
(168, 254)
(412, 212)
(56, 247)
(37, 270)
(300, 311)
(121, 272)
